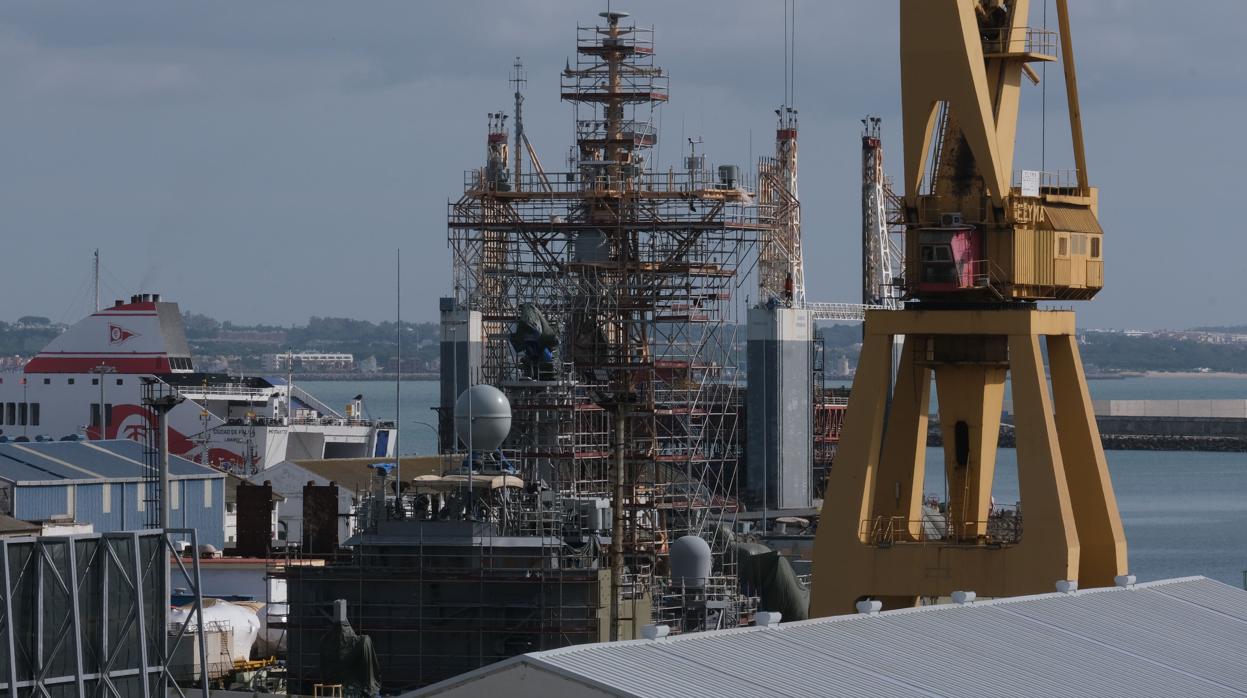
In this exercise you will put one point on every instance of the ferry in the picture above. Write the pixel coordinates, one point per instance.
(118, 354)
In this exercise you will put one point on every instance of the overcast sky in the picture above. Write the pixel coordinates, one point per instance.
(262, 161)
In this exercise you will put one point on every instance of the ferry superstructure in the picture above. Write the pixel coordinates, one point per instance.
(241, 424)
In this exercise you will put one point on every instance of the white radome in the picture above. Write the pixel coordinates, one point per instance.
(482, 417)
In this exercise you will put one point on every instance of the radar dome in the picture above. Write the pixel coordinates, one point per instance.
(482, 417)
(690, 561)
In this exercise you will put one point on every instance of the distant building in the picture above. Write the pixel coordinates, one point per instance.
(16, 528)
(312, 362)
(101, 483)
(413, 364)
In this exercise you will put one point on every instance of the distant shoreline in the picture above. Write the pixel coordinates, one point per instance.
(389, 377)
(1194, 374)
(368, 378)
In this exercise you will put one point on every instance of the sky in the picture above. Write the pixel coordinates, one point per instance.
(262, 161)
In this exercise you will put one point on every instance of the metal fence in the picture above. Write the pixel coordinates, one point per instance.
(85, 615)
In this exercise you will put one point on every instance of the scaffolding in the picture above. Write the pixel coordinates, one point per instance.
(609, 308)
(781, 272)
(882, 225)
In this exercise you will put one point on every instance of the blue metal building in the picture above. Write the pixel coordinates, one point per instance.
(102, 483)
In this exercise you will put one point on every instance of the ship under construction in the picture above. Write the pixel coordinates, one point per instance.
(607, 302)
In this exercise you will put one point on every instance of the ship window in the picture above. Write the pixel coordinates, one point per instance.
(21, 414)
(34, 414)
(47, 381)
(10, 413)
(1095, 248)
(120, 382)
(95, 381)
(71, 381)
(95, 414)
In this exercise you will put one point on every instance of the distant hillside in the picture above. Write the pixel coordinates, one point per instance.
(1157, 352)
(211, 338)
(240, 347)
(1224, 329)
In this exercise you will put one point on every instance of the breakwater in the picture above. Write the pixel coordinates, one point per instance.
(1139, 433)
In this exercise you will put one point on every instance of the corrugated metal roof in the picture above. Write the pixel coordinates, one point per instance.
(1072, 219)
(1176, 637)
(58, 461)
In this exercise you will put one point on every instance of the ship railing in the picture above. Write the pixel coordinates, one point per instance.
(209, 391)
(330, 422)
(312, 401)
(1002, 527)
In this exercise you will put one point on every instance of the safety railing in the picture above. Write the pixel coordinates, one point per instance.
(700, 182)
(1002, 527)
(1033, 40)
(984, 274)
(1054, 180)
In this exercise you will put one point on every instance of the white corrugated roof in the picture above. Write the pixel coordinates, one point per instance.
(1179, 637)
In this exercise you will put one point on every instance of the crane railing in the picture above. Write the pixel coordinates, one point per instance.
(841, 312)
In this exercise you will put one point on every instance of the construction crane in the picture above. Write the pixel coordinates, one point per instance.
(982, 248)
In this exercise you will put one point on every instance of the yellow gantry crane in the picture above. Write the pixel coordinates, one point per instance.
(983, 245)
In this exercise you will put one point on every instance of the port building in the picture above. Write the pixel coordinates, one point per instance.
(308, 361)
(107, 485)
(1179, 637)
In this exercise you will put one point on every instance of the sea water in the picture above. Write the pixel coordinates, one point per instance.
(1184, 513)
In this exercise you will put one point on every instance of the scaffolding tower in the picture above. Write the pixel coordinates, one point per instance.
(781, 273)
(608, 301)
(882, 224)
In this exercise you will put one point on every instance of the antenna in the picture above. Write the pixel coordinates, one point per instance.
(95, 273)
(518, 78)
(790, 53)
(398, 379)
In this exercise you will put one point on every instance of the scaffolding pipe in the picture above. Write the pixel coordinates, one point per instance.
(617, 523)
(165, 513)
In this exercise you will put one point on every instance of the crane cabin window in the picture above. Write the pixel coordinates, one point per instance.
(1062, 246)
(938, 265)
(1095, 248)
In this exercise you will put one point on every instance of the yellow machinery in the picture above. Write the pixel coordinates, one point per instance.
(980, 251)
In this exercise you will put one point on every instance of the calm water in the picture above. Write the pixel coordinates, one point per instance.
(1184, 513)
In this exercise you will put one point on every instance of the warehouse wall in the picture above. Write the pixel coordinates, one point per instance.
(119, 506)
